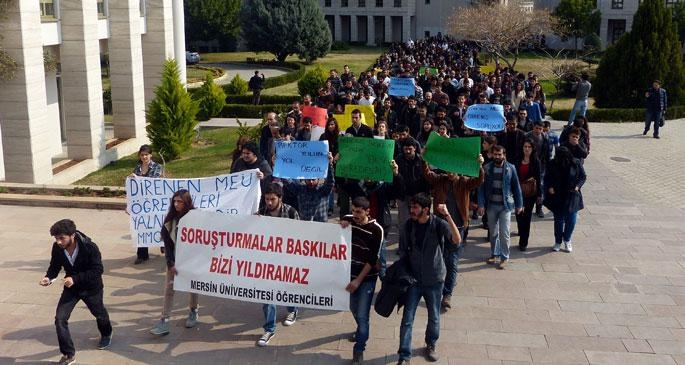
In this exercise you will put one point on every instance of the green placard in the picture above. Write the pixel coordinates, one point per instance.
(458, 155)
(365, 158)
(433, 70)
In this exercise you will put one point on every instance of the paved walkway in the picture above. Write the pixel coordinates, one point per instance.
(619, 298)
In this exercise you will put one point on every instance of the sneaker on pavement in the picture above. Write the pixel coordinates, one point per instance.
(569, 246)
(105, 342)
(290, 319)
(191, 321)
(66, 360)
(556, 247)
(492, 260)
(403, 362)
(446, 304)
(353, 337)
(540, 214)
(161, 328)
(503, 264)
(431, 354)
(139, 260)
(357, 358)
(266, 337)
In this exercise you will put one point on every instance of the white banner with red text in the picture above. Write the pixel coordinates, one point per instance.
(264, 260)
(148, 200)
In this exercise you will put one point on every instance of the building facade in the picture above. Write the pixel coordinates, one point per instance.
(51, 117)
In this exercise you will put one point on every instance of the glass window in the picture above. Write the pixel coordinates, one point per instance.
(327, 3)
(102, 12)
(142, 7)
(344, 3)
(361, 3)
(428, 2)
(379, 3)
(398, 3)
(427, 33)
(47, 9)
(617, 4)
(616, 29)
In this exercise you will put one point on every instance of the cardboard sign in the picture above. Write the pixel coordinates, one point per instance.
(301, 159)
(458, 155)
(402, 86)
(319, 115)
(485, 117)
(365, 158)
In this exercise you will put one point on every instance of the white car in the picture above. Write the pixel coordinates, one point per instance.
(192, 58)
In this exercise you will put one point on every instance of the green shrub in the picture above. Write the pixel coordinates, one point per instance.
(312, 81)
(237, 86)
(265, 99)
(210, 98)
(340, 46)
(171, 114)
(292, 76)
(252, 111)
(616, 115)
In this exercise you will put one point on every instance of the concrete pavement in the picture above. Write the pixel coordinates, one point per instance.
(619, 298)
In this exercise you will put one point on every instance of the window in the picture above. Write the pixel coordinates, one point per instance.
(142, 7)
(379, 3)
(327, 3)
(617, 4)
(102, 9)
(428, 2)
(616, 29)
(47, 10)
(344, 3)
(398, 3)
(427, 33)
(361, 3)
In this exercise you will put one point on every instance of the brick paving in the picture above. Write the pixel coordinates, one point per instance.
(619, 298)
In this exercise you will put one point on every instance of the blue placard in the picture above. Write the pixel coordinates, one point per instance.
(485, 117)
(301, 159)
(402, 86)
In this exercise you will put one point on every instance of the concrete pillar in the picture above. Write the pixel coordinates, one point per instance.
(388, 29)
(179, 38)
(354, 30)
(126, 69)
(158, 44)
(81, 80)
(338, 28)
(25, 133)
(370, 31)
(406, 28)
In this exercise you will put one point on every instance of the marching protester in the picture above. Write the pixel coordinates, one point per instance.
(181, 203)
(529, 175)
(80, 258)
(147, 168)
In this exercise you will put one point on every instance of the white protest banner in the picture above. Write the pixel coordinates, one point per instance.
(485, 117)
(264, 259)
(301, 159)
(148, 200)
(402, 86)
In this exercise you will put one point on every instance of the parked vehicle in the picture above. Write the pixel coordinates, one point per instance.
(192, 58)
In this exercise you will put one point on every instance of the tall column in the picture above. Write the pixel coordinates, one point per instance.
(126, 69)
(23, 106)
(354, 30)
(337, 24)
(179, 38)
(370, 31)
(158, 44)
(81, 79)
(388, 29)
(406, 28)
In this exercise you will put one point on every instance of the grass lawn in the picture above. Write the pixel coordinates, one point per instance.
(208, 157)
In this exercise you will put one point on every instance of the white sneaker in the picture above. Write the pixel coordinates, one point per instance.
(266, 337)
(569, 246)
(557, 247)
(290, 319)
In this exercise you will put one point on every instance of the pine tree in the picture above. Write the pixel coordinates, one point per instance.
(171, 115)
(211, 98)
(651, 50)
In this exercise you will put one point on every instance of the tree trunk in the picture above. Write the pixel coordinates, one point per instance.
(281, 57)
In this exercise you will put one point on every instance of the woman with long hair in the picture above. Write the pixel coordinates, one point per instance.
(146, 167)
(181, 203)
(540, 97)
(528, 169)
(331, 134)
(564, 178)
(518, 95)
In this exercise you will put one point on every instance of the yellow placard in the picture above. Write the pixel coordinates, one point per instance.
(367, 112)
(345, 121)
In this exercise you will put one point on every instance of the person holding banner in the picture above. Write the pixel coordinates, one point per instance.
(367, 237)
(274, 207)
(251, 159)
(181, 203)
(147, 168)
(422, 241)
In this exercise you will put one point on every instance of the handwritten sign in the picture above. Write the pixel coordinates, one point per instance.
(458, 155)
(148, 200)
(345, 121)
(401, 86)
(263, 259)
(319, 115)
(485, 117)
(301, 160)
(365, 158)
(368, 114)
(431, 71)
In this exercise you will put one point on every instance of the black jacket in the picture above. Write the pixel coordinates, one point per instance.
(397, 281)
(87, 269)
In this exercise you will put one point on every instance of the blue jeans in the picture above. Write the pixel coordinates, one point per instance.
(564, 223)
(360, 306)
(579, 107)
(270, 316)
(66, 305)
(452, 254)
(432, 296)
(653, 116)
(499, 225)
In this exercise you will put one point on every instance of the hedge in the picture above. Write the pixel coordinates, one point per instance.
(616, 115)
(252, 111)
(291, 76)
(265, 99)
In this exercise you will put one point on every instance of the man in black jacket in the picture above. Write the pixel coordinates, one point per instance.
(80, 258)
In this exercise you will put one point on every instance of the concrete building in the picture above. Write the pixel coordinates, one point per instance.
(51, 113)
